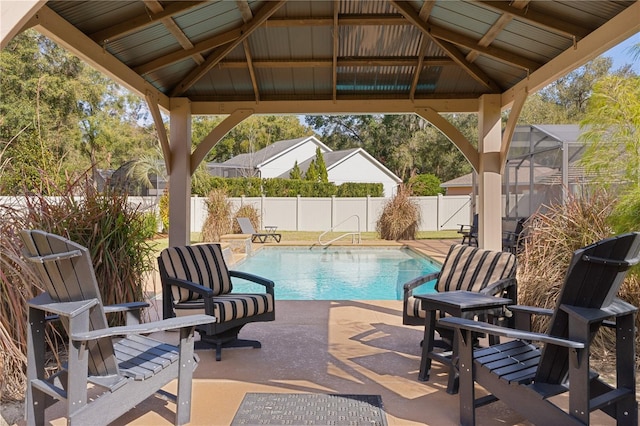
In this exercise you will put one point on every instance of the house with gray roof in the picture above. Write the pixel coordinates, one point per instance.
(277, 160)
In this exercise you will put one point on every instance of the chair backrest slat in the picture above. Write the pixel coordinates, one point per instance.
(245, 225)
(201, 264)
(72, 279)
(587, 284)
(472, 269)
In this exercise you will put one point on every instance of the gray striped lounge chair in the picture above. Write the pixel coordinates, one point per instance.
(195, 279)
(465, 268)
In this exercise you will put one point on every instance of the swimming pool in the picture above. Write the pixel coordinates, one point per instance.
(336, 273)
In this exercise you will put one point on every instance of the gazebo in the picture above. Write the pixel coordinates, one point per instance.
(425, 57)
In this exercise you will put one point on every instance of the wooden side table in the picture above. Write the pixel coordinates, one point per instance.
(462, 304)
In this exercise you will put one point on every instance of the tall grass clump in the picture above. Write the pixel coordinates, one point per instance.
(219, 215)
(250, 212)
(400, 217)
(553, 237)
(115, 234)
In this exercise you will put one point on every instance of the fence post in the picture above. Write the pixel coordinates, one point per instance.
(439, 215)
(367, 212)
(298, 212)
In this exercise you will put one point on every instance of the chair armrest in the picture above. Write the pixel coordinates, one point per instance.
(253, 278)
(146, 328)
(416, 282)
(464, 228)
(530, 310)
(133, 311)
(125, 307)
(498, 287)
(44, 302)
(494, 330)
(188, 285)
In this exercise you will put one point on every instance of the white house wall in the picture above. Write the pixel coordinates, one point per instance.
(359, 169)
(285, 162)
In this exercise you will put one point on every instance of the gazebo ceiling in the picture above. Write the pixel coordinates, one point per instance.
(346, 55)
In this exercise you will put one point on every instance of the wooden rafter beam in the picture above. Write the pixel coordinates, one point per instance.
(141, 21)
(247, 29)
(343, 20)
(247, 16)
(179, 55)
(407, 10)
(496, 28)
(425, 12)
(52, 25)
(502, 55)
(335, 47)
(550, 22)
(393, 61)
(156, 7)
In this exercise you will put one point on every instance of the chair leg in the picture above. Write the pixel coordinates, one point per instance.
(227, 339)
(185, 376)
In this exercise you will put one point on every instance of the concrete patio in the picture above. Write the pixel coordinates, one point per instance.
(346, 347)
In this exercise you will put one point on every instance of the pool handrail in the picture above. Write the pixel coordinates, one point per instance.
(355, 236)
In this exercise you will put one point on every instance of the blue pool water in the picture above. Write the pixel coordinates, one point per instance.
(338, 273)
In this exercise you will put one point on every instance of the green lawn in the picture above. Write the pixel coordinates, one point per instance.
(162, 241)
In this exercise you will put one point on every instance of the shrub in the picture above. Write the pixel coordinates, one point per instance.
(163, 206)
(112, 230)
(360, 189)
(425, 185)
(552, 238)
(400, 217)
(218, 221)
(250, 212)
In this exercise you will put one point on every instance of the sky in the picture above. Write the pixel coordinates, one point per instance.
(621, 54)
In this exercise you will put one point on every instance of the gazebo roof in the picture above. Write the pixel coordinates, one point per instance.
(336, 56)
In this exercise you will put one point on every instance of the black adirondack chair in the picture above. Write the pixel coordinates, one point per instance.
(526, 377)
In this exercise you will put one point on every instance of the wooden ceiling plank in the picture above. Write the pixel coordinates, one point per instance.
(198, 72)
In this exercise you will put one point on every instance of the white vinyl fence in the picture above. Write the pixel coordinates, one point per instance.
(341, 214)
(321, 214)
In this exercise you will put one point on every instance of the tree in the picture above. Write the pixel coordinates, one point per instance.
(612, 130)
(321, 167)
(425, 185)
(38, 83)
(312, 172)
(251, 135)
(295, 172)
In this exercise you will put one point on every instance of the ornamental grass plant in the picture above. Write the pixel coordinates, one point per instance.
(552, 238)
(250, 212)
(400, 217)
(116, 235)
(219, 215)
